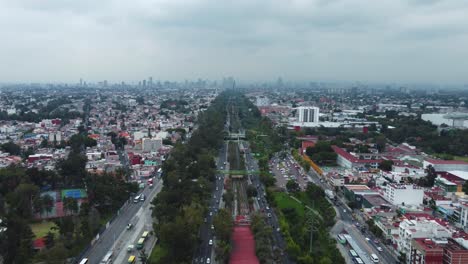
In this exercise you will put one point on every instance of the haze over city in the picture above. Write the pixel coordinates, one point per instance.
(339, 40)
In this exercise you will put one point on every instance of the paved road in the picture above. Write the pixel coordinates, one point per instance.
(271, 219)
(109, 237)
(351, 224)
(142, 221)
(205, 250)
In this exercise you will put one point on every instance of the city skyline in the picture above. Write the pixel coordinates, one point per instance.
(389, 41)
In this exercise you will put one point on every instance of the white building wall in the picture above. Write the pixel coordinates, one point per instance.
(410, 229)
(398, 194)
(308, 114)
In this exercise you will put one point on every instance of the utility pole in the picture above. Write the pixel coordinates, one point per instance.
(311, 220)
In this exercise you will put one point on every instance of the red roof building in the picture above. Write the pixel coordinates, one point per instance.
(426, 251)
(347, 160)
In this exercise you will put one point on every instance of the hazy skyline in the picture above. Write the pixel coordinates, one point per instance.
(348, 40)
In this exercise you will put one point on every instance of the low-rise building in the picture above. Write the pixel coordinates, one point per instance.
(446, 165)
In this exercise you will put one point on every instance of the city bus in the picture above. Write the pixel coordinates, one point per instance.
(145, 234)
(353, 253)
(131, 259)
(341, 239)
(140, 243)
(107, 258)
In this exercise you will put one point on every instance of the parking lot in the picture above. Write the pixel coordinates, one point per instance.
(287, 169)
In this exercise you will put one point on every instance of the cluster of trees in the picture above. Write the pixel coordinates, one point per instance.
(176, 105)
(54, 109)
(263, 243)
(295, 228)
(21, 199)
(304, 164)
(423, 134)
(188, 175)
(223, 225)
(236, 160)
(374, 229)
(322, 153)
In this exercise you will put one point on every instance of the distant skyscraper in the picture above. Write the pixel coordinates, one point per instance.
(81, 81)
(279, 83)
(150, 81)
(144, 82)
(308, 114)
(105, 83)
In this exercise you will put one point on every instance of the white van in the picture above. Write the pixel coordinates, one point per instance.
(374, 258)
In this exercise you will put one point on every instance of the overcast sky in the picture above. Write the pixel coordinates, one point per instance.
(348, 40)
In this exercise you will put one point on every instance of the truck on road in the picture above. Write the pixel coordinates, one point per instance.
(330, 194)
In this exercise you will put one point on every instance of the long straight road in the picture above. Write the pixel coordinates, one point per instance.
(109, 237)
(205, 250)
(271, 219)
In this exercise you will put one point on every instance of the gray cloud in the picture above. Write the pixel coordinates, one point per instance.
(387, 40)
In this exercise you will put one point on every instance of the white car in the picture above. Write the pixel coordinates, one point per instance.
(367, 239)
(208, 260)
(379, 249)
(210, 242)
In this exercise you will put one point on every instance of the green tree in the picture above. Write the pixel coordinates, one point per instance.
(292, 186)
(386, 165)
(49, 240)
(465, 187)
(71, 205)
(223, 225)
(381, 142)
(11, 148)
(48, 203)
(251, 191)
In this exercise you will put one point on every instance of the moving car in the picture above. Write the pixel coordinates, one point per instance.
(129, 226)
(210, 242)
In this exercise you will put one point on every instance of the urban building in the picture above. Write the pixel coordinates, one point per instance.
(308, 114)
(446, 165)
(151, 144)
(399, 194)
(426, 251)
(411, 229)
(348, 160)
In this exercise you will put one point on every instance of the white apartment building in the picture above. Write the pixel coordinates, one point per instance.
(410, 229)
(308, 114)
(409, 194)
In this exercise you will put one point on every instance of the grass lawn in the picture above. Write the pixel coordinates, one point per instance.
(460, 158)
(284, 201)
(40, 229)
(156, 254)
